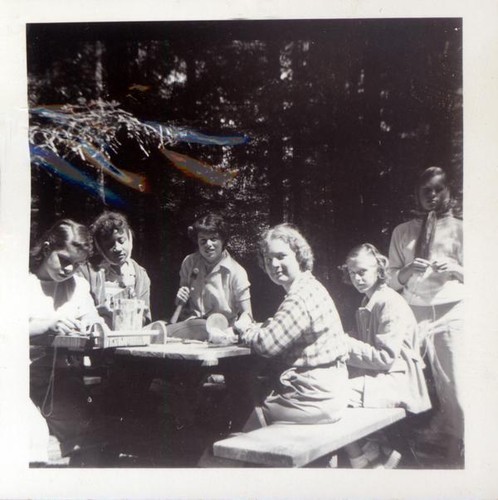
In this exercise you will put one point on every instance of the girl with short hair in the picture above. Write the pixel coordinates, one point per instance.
(304, 340)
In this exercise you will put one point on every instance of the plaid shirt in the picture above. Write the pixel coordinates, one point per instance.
(306, 330)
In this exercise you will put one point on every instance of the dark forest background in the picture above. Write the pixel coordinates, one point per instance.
(341, 114)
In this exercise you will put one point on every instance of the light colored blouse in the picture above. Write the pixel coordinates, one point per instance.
(219, 290)
(71, 297)
(431, 287)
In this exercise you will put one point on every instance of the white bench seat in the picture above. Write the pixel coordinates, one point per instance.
(292, 445)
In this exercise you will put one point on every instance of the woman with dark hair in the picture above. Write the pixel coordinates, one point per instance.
(304, 339)
(426, 258)
(112, 272)
(60, 303)
(211, 281)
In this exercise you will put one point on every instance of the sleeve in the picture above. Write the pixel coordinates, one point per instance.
(186, 270)
(388, 342)
(40, 306)
(460, 244)
(396, 257)
(275, 336)
(96, 282)
(85, 301)
(240, 285)
(143, 289)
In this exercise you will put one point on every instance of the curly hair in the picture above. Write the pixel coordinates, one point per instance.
(209, 223)
(57, 237)
(289, 234)
(106, 223)
(368, 248)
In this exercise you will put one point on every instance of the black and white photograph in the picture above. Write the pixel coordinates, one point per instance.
(244, 250)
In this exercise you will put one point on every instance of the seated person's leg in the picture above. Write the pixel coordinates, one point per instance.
(39, 436)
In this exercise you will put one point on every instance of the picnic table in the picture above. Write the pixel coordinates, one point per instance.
(187, 364)
(201, 352)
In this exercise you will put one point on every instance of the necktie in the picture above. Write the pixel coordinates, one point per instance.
(426, 236)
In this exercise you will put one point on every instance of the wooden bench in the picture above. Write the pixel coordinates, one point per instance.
(292, 445)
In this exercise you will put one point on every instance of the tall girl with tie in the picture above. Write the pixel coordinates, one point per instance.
(426, 258)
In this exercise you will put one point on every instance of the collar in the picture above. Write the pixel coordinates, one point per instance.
(422, 214)
(105, 264)
(302, 278)
(125, 269)
(368, 303)
(226, 262)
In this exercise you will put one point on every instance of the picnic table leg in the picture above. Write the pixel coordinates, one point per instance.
(181, 388)
(128, 387)
(244, 394)
(186, 397)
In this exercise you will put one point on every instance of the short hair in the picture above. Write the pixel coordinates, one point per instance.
(289, 234)
(428, 174)
(382, 262)
(57, 237)
(106, 223)
(209, 223)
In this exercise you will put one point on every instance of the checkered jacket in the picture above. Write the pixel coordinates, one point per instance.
(306, 330)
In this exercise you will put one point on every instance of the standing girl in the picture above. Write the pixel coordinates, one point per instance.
(60, 302)
(304, 340)
(426, 256)
(386, 369)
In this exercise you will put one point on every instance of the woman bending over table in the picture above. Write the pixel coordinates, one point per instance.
(304, 339)
(60, 303)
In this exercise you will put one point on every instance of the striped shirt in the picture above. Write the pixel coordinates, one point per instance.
(306, 330)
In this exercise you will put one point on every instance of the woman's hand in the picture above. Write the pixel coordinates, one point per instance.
(242, 323)
(182, 296)
(64, 325)
(105, 311)
(444, 266)
(418, 265)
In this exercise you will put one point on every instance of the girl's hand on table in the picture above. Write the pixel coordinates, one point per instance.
(242, 323)
(182, 296)
(104, 310)
(65, 325)
(105, 314)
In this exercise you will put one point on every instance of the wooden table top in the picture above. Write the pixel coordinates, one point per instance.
(207, 354)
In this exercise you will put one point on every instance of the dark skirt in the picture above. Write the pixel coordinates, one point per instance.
(64, 403)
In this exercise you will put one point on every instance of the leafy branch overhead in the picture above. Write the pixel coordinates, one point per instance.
(92, 133)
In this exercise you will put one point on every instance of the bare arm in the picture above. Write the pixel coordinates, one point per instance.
(57, 323)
